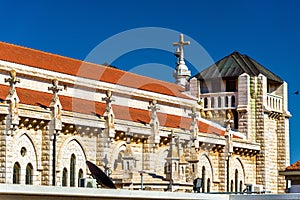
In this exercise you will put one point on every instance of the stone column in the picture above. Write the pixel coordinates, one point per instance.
(128, 159)
(243, 102)
(46, 157)
(261, 134)
(3, 136)
(55, 125)
(103, 151)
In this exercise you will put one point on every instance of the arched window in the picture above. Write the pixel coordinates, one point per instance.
(72, 170)
(208, 185)
(231, 186)
(80, 175)
(16, 173)
(29, 174)
(203, 178)
(64, 177)
(241, 186)
(236, 180)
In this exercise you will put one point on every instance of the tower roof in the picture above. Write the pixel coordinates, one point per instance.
(234, 65)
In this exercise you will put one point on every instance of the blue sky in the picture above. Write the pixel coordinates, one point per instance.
(268, 31)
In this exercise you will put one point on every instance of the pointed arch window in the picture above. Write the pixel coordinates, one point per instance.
(203, 178)
(64, 177)
(29, 174)
(80, 175)
(16, 173)
(72, 170)
(208, 185)
(236, 180)
(241, 186)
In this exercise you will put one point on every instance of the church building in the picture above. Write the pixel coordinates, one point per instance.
(226, 126)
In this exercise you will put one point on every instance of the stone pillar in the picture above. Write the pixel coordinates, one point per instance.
(128, 158)
(193, 160)
(46, 157)
(55, 125)
(243, 102)
(194, 87)
(103, 151)
(3, 136)
(172, 159)
(283, 148)
(222, 171)
(261, 134)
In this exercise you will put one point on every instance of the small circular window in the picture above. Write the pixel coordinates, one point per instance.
(23, 151)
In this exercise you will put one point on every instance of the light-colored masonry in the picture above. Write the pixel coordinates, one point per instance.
(256, 150)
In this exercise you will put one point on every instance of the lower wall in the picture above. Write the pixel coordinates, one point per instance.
(26, 192)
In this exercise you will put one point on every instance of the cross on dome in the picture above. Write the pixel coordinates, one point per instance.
(181, 72)
(181, 43)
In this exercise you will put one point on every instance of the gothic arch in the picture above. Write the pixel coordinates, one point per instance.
(161, 159)
(237, 172)
(205, 167)
(71, 147)
(24, 152)
(119, 147)
(18, 137)
(68, 140)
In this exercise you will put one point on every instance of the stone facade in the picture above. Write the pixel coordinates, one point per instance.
(154, 135)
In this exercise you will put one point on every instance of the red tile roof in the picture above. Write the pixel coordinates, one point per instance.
(52, 62)
(294, 167)
(37, 98)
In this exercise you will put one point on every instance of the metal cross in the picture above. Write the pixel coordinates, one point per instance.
(13, 80)
(55, 89)
(181, 44)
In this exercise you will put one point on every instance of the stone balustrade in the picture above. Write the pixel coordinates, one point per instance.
(274, 103)
(219, 101)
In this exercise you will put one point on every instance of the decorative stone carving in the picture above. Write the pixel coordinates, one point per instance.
(109, 115)
(154, 139)
(194, 126)
(12, 99)
(55, 106)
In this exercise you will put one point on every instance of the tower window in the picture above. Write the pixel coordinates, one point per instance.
(231, 85)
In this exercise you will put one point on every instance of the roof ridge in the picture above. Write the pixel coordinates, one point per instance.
(44, 52)
(245, 63)
(66, 65)
(265, 68)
